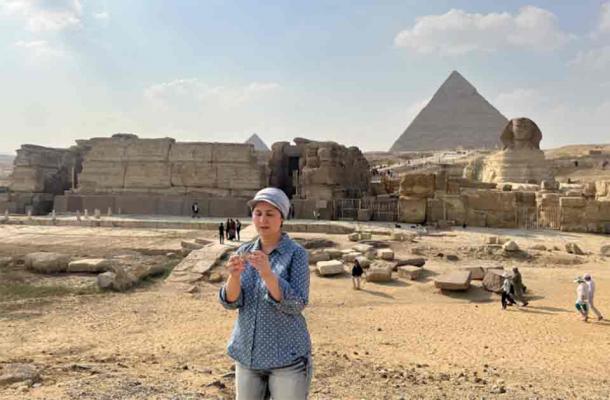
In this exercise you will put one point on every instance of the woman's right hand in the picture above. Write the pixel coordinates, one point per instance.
(236, 265)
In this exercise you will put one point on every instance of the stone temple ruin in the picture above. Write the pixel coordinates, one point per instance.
(130, 175)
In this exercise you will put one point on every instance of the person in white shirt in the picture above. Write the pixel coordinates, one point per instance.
(591, 284)
(582, 297)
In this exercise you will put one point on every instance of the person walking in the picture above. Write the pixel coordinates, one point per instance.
(221, 233)
(507, 297)
(227, 226)
(582, 296)
(195, 210)
(237, 228)
(268, 283)
(518, 288)
(591, 286)
(357, 272)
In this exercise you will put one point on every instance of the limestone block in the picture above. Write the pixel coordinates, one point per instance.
(605, 250)
(549, 200)
(107, 149)
(550, 185)
(417, 185)
(412, 210)
(379, 274)
(490, 200)
(365, 235)
(46, 262)
(501, 219)
(362, 248)
(193, 174)
(476, 273)
(511, 245)
(572, 202)
(240, 176)
(233, 153)
(332, 267)
(385, 254)
(410, 272)
(333, 253)
(199, 153)
(141, 174)
(149, 150)
(318, 255)
(527, 199)
(602, 188)
(89, 265)
(455, 280)
(350, 257)
(493, 279)
(101, 174)
(416, 262)
(539, 247)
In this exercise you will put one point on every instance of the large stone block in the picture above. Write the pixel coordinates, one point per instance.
(193, 174)
(412, 209)
(239, 176)
(240, 153)
(417, 185)
(572, 202)
(490, 200)
(149, 150)
(107, 149)
(27, 179)
(327, 268)
(100, 175)
(139, 174)
(455, 280)
(191, 152)
(410, 272)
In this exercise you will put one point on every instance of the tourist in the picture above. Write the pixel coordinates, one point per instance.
(518, 288)
(237, 228)
(270, 342)
(591, 286)
(227, 226)
(221, 233)
(195, 209)
(507, 297)
(582, 296)
(357, 272)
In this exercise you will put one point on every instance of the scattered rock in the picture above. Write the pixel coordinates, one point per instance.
(455, 280)
(476, 273)
(416, 262)
(493, 280)
(215, 277)
(46, 262)
(511, 245)
(385, 254)
(364, 261)
(605, 250)
(118, 279)
(362, 248)
(317, 243)
(327, 268)
(539, 247)
(574, 248)
(451, 257)
(318, 255)
(350, 257)
(13, 373)
(410, 272)
(333, 253)
(89, 265)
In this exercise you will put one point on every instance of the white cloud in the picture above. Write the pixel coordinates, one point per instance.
(193, 93)
(45, 15)
(39, 48)
(458, 32)
(596, 60)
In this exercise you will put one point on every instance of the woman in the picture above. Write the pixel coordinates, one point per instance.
(269, 283)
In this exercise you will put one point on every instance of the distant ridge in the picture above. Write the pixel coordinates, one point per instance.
(258, 143)
(456, 116)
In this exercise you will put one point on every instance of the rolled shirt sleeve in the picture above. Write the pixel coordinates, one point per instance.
(295, 290)
(222, 298)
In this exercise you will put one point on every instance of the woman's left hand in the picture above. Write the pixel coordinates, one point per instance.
(260, 261)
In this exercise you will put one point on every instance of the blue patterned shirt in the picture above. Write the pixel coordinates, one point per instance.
(271, 334)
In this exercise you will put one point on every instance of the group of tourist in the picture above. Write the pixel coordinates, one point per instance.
(585, 294)
(513, 289)
(230, 231)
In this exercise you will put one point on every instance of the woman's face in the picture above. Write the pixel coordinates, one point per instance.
(266, 218)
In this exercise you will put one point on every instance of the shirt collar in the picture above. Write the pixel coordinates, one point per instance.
(282, 246)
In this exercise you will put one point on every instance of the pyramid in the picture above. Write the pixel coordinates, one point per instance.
(456, 116)
(259, 145)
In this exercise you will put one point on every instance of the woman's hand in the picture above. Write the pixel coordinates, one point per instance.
(236, 266)
(260, 261)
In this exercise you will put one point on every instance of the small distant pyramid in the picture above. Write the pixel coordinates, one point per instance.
(258, 143)
(456, 116)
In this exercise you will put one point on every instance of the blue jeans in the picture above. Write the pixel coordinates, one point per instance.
(286, 383)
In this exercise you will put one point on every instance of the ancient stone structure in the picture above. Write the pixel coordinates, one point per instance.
(456, 116)
(521, 160)
(319, 170)
(39, 173)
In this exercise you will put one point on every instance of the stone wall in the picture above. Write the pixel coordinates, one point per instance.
(129, 164)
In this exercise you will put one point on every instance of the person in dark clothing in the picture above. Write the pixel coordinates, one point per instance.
(195, 209)
(227, 226)
(507, 297)
(357, 272)
(221, 233)
(237, 228)
(517, 286)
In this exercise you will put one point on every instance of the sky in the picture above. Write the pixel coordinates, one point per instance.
(355, 72)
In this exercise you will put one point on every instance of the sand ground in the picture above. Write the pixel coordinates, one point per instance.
(389, 341)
